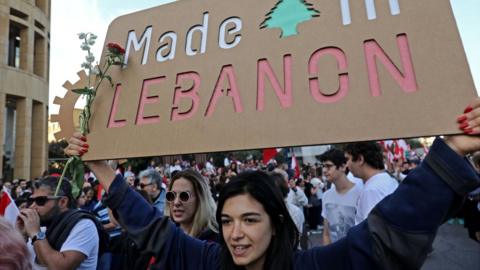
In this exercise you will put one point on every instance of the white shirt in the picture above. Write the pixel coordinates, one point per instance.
(84, 239)
(226, 162)
(375, 189)
(297, 198)
(297, 215)
(357, 181)
(210, 168)
(339, 211)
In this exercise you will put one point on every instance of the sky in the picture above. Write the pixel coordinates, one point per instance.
(72, 17)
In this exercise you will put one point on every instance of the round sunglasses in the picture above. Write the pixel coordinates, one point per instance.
(184, 196)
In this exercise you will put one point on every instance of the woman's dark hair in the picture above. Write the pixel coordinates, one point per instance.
(261, 187)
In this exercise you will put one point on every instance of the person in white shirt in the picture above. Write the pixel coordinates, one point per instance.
(365, 161)
(79, 250)
(295, 212)
(339, 203)
(209, 167)
(296, 196)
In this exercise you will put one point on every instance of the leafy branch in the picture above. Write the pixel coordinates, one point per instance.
(96, 75)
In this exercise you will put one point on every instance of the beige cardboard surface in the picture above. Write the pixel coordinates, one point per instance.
(443, 81)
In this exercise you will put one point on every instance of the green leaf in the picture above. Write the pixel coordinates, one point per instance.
(77, 172)
(84, 91)
(109, 79)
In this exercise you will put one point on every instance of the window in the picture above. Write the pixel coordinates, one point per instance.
(14, 41)
(9, 133)
(39, 57)
(19, 14)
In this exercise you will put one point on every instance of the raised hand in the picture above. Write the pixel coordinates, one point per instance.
(469, 123)
(77, 146)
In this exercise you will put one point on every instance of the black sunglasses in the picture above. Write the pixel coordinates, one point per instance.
(184, 196)
(41, 200)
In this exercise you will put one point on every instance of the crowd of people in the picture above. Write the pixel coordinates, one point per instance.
(246, 214)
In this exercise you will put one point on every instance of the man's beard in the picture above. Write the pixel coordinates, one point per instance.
(46, 220)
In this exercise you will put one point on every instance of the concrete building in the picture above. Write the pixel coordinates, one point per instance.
(24, 63)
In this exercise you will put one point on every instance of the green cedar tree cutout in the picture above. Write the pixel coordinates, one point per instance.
(287, 14)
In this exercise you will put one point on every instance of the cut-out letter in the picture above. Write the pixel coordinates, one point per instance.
(370, 8)
(227, 73)
(146, 99)
(407, 81)
(112, 123)
(342, 66)
(372, 12)
(169, 47)
(191, 93)
(203, 30)
(144, 40)
(265, 70)
(237, 27)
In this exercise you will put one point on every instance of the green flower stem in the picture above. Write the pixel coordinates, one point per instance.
(63, 175)
(74, 164)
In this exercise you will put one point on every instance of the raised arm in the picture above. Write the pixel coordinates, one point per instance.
(400, 230)
(136, 213)
(153, 234)
(403, 226)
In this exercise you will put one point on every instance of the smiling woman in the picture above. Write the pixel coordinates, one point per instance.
(257, 230)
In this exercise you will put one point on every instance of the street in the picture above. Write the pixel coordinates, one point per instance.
(452, 249)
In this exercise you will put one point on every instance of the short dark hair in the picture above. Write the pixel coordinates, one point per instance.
(65, 189)
(280, 183)
(336, 156)
(371, 152)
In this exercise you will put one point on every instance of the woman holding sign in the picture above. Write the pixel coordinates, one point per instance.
(258, 233)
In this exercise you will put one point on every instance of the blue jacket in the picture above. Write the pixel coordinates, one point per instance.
(397, 234)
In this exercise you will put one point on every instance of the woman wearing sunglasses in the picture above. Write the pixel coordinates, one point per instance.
(257, 232)
(191, 205)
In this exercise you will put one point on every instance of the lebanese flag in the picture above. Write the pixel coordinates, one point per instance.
(8, 209)
(268, 154)
(99, 192)
(294, 165)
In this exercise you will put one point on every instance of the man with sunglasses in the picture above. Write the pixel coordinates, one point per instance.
(339, 202)
(71, 239)
(151, 182)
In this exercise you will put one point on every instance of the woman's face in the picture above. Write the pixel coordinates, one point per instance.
(81, 200)
(247, 230)
(183, 212)
(89, 195)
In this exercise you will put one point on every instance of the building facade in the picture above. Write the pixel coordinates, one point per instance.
(24, 65)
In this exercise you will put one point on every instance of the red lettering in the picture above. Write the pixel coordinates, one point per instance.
(112, 123)
(313, 69)
(406, 81)
(146, 99)
(227, 73)
(191, 93)
(284, 96)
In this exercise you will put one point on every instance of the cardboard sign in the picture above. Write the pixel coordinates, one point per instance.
(217, 75)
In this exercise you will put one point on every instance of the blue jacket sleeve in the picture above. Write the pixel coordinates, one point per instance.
(157, 236)
(400, 230)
